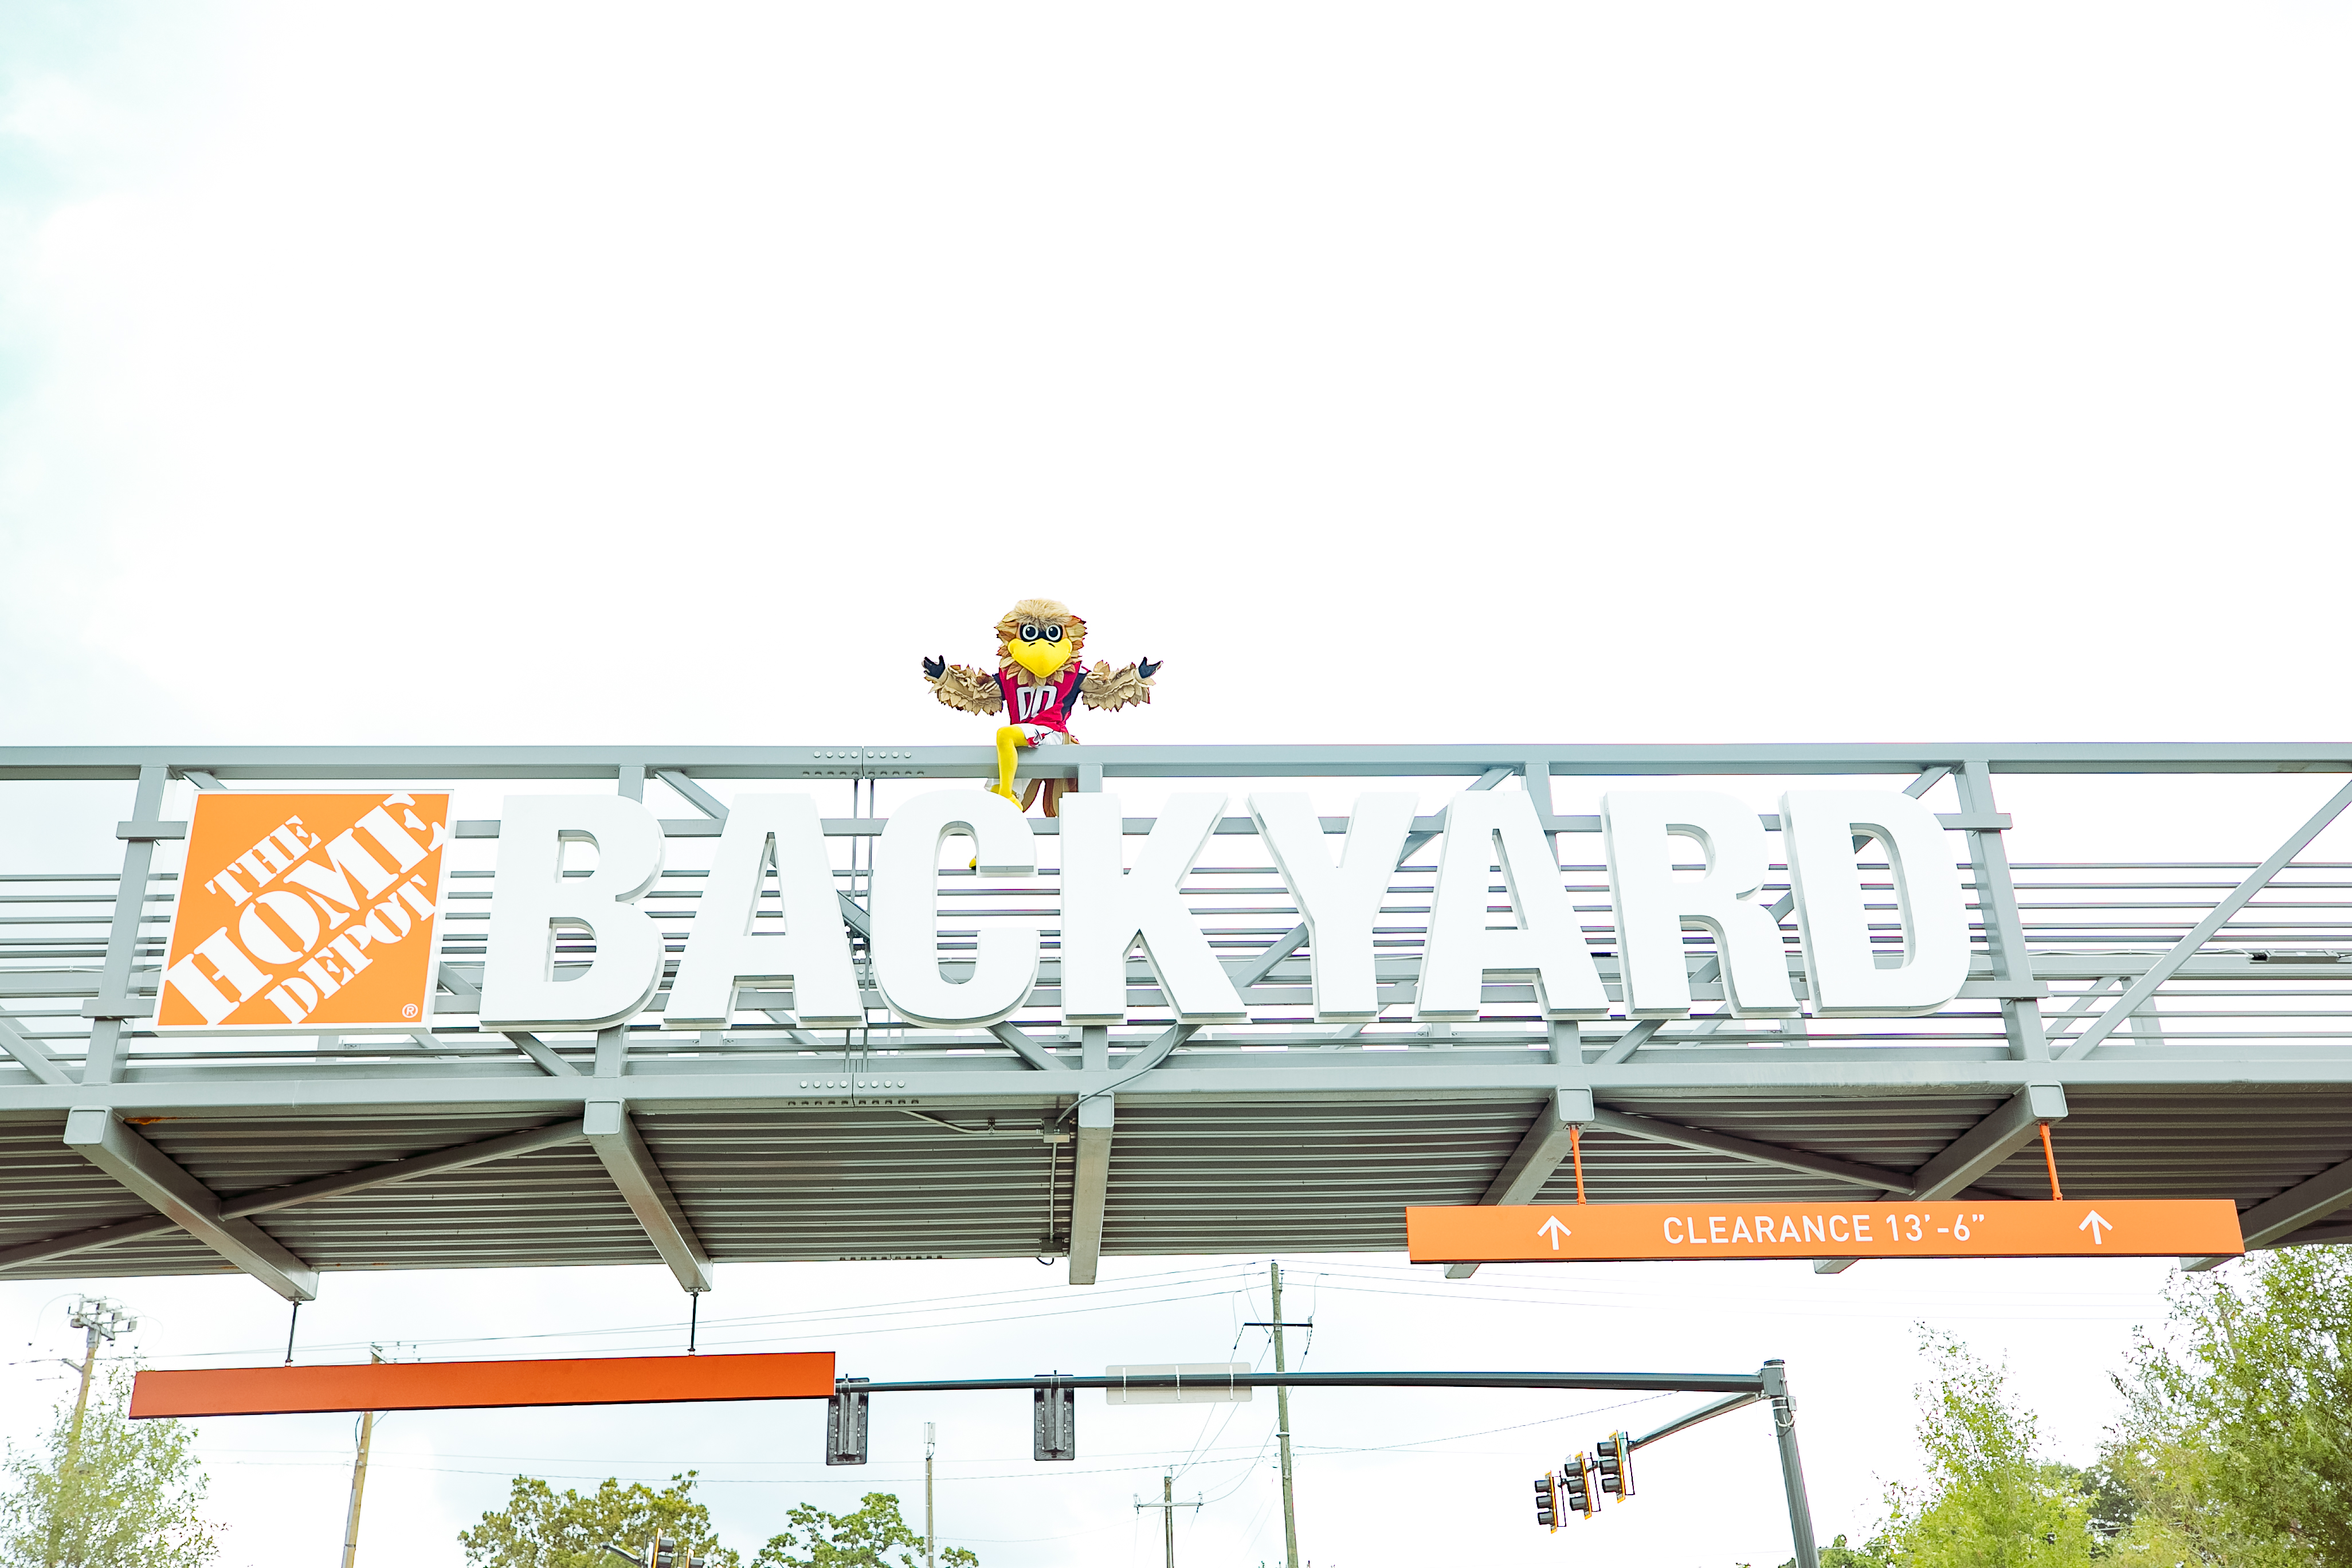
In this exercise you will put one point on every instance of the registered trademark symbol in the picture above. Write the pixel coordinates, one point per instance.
(409, 1011)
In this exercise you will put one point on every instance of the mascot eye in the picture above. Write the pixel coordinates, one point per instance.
(1052, 634)
(1028, 634)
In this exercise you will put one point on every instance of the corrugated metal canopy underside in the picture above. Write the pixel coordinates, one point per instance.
(1195, 1177)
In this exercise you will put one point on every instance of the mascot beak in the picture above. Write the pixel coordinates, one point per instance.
(1041, 658)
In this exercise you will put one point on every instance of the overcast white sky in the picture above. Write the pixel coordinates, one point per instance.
(1606, 372)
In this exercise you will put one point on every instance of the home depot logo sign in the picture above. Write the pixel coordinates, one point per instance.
(306, 910)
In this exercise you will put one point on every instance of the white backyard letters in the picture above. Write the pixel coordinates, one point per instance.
(1858, 957)
(732, 946)
(535, 900)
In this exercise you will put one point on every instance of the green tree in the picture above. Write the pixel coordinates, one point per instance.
(128, 1499)
(862, 1540)
(1988, 1500)
(542, 1527)
(2237, 1435)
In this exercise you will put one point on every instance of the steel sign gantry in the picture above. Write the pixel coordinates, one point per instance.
(2185, 1025)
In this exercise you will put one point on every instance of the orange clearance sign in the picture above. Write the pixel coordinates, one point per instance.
(1597, 1232)
(306, 911)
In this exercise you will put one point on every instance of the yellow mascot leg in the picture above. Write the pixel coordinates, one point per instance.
(1008, 740)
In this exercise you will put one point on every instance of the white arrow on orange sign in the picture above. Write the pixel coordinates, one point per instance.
(2091, 1222)
(1553, 1228)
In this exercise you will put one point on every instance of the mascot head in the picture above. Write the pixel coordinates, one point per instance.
(1039, 635)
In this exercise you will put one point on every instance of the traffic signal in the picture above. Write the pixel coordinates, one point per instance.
(1576, 1482)
(1547, 1509)
(844, 1423)
(1054, 1420)
(666, 1554)
(1615, 1462)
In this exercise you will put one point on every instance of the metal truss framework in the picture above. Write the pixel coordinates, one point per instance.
(2187, 1024)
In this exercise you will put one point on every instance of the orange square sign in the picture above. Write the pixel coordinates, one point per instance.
(306, 911)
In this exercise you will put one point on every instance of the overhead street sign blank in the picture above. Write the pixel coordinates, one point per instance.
(481, 1384)
(1608, 1233)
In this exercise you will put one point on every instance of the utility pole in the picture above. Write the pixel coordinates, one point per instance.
(98, 1319)
(1168, 1505)
(930, 1533)
(1282, 1428)
(359, 1475)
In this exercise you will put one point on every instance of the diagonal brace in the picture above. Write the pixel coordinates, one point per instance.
(1798, 1160)
(2186, 948)
(93, 1132)
(2268, 1224)
(30, 1054)
(1027, 1048)
(1976, 1151)
(1531, 1164)
(273, 1198)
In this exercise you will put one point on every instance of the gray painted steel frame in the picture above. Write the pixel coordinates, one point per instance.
(454, 1147)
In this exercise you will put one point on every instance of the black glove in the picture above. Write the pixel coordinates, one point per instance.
(935, 668)
(1147, 669)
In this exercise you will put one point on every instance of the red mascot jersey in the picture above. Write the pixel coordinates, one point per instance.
(1048, 705)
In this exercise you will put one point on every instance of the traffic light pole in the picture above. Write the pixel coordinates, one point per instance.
(1739, 1390)
(1792, 1468)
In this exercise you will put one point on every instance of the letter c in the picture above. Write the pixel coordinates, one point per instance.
(1837, 1220)
(1672, 1239)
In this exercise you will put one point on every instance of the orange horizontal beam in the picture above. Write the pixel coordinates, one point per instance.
(1950, 1227)
(481, 1384)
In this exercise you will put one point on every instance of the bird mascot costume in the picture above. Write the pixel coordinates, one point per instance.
(1037, 680)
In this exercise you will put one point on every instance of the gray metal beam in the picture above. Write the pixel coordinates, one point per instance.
(2237, 898)
(2306, 1204)
(1090, 1187)
(1510, 1073)
(1746, 1149)
(94, 1133)
(1976, 1151)
(1531, 1164)
(612, 1133)
(298, 762)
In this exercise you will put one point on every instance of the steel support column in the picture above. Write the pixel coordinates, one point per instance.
(2005, 925)
(614, 1136)
(1090, 1187)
